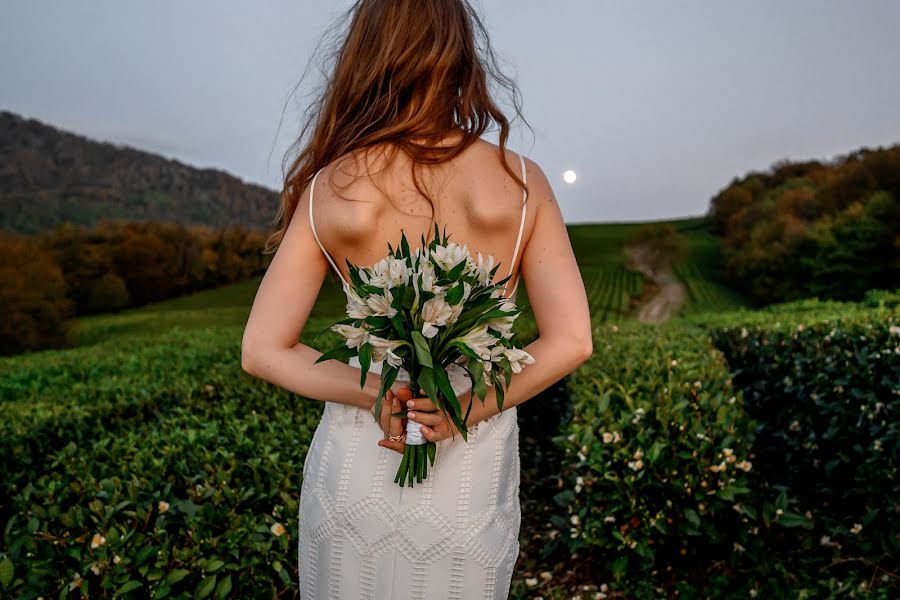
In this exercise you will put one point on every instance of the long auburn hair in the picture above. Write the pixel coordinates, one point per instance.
(403, 75)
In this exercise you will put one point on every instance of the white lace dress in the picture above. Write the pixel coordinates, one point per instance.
(453, 536)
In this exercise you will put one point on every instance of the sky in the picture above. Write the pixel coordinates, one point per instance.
(655, 105)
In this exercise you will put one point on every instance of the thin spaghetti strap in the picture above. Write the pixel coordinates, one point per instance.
(312, 226)
(521, 229)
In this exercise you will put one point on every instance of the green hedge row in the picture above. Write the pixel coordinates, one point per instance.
(780, 483)
(53, 398)
(657, 462)
(159, 471)
(824, 384)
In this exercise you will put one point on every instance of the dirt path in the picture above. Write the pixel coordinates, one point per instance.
(669, 297)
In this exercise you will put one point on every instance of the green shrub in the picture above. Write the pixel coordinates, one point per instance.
(108, 293)
(823, 381)
(657, 460)
(200, 499)
(95, 438)
(882, 298)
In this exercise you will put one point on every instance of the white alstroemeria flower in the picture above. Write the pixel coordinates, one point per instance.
(502, 325)
(436, 313)
(482, 269)
(496, 353)
(354, 336)
(447, 257)
(518, 358)
(458, 308)
(381, 305)
(498, 293)
(480, 341)
(356, 306)
(429, 277)
(389, 272)
(383, 349)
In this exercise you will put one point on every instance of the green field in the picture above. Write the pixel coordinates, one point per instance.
(152, 407)
(613, 291)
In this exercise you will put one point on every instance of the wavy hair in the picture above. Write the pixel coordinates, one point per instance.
(403, 75)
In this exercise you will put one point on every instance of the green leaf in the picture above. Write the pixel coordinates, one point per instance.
(224, 588)
(422, 351)
(177, 575)
(792, 519)
(499, 391)
(365, 361)
(427, 384)
(205, 588)
(464, 349)
(397, 322)
(214, 565)
(443, 383)
(354, 274)
(129, 587)
(729, 492)
(409, 297)
(692, 517)
(377, 322)
(454, 296)
(388, 375)
(497, 313)
(337, 353)
(431, 448)
(619, 565)
(404, 245)
(6, 571)
(507, 370)
(476, 372)
(457, 270)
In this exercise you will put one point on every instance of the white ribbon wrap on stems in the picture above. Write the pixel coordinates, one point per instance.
(414, 434)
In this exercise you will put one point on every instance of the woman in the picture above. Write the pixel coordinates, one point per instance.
(395, 147)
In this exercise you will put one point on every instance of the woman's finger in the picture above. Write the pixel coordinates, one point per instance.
(434, 435)
(395, 446)
(431, 419)
(396, 427)
(421, 404)
(386, 409)
(388, 396)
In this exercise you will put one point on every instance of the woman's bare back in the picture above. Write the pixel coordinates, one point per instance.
(363, 203)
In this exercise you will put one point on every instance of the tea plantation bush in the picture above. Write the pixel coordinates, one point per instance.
(780, 483)
(823, 380)
(657, 460)
(177, 476)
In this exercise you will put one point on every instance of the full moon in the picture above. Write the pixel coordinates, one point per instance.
(570, 176)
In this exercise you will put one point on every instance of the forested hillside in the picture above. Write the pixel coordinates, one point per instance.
(803, 229)
(48, 176)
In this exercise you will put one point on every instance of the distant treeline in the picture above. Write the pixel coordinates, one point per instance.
(72, 271)
(830, 230)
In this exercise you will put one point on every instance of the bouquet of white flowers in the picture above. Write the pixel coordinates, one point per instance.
(424, 312)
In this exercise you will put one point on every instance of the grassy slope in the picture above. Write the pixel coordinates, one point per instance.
(597, 246)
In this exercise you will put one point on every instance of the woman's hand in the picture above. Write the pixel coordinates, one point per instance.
(435, 426)
(391, 425)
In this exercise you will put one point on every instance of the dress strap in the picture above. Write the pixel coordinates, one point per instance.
(312, 226)
(521, 228)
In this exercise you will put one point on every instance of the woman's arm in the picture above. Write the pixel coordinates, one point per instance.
(270, 348)
(559, 302)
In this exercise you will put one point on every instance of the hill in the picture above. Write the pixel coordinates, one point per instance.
(812, 228)
(48, 176)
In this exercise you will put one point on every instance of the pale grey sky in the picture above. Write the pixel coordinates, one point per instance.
(656, 105)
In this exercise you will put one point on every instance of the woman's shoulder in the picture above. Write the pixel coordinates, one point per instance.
(533, 172)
